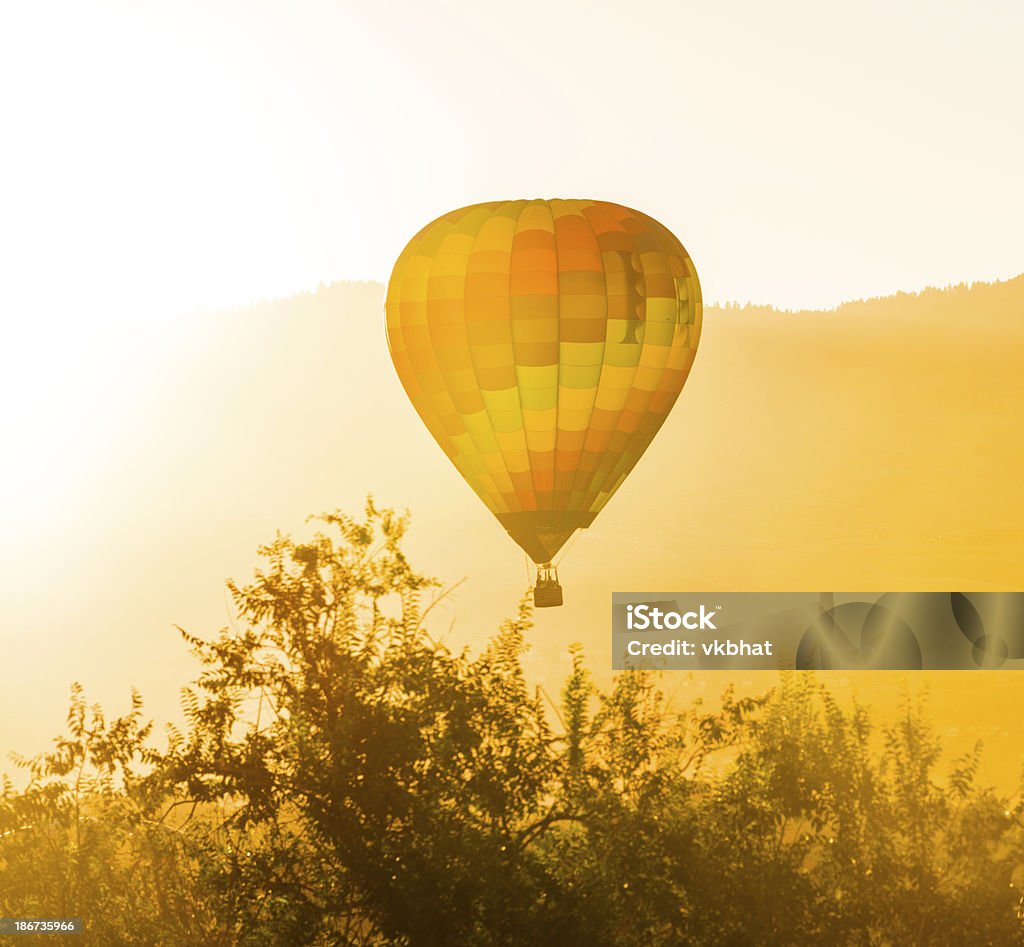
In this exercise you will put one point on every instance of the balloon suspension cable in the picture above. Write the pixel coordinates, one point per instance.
(565, 551)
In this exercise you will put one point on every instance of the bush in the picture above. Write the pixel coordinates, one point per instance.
(345, 779)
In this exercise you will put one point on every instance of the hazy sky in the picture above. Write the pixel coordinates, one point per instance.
(164, 156)
(158, 158)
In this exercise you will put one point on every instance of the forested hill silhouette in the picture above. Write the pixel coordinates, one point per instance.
(876, 446)
(995, 301)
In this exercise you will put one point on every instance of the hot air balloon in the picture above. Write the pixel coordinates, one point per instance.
(543, 343)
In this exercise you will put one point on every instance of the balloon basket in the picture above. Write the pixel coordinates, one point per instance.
(547, 593)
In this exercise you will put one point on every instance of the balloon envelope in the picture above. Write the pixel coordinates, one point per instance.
(543, 344)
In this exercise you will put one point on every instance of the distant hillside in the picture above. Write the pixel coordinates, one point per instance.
(998, 300)
(875, 447)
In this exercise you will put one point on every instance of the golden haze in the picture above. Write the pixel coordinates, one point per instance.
(876, 446)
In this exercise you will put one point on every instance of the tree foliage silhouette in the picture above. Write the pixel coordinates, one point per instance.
(343, 778)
